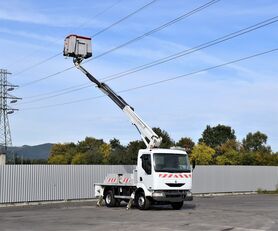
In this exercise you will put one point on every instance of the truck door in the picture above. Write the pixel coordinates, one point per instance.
(145, 172)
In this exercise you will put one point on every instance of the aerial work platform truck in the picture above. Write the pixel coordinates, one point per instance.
(162, 176)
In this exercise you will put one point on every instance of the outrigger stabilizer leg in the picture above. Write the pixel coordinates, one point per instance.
(100, 201)
(130, 201)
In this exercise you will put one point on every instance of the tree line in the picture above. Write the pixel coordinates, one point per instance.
(218, 145)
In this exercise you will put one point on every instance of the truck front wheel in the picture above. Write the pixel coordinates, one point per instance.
(142, 202)
(109, 199)
(177, 205)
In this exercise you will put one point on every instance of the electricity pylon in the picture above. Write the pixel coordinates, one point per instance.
(5, 99)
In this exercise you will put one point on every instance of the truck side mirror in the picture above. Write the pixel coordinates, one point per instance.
(193, 164)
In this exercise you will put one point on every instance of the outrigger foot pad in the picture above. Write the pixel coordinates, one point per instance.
(100, 201)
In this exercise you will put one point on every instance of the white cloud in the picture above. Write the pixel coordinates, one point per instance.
(23, 12)
(33, 36)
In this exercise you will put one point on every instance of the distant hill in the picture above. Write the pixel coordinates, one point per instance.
(40, 151)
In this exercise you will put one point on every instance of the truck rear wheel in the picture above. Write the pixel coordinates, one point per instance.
(177, 205)
(109, 199)
(142, 202)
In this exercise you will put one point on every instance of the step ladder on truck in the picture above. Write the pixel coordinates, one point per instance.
(162, 176)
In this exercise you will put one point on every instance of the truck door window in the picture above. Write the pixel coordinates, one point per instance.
(146, 163)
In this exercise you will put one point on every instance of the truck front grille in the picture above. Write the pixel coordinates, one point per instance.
(175, 194)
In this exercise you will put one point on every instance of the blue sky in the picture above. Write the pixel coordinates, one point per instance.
(242, 95)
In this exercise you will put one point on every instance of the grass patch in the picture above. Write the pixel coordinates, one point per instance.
(263, 191)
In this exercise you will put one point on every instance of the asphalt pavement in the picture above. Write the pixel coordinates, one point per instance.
(240, 212)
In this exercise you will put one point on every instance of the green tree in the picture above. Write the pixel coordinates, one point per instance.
(57, 159)
(94, 156)
(262, 158)
(167, 142)
(115, 143)
(132, 151)
(39, 161)
(228, 153)
(67, 150)
(202, 154)
(105, 150)
(118, 156)
(229, 157)
(229, 145)
(248, 158)
(80, 158)
(186, 143)
(256, 142)
(274, 159)
(89, 144)
(91, 147)
(118, 152)
(216, 136)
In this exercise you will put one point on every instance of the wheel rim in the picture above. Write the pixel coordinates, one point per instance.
(108, 199)
(141, 201)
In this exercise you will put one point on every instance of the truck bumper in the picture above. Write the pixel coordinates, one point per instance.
(172, 196)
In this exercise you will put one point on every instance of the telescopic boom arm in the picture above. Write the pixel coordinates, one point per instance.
(150, 138)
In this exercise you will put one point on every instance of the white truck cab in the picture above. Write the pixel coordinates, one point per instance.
(164, 169)
(165, 176)
(161, 176)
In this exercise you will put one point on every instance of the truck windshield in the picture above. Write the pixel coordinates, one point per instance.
(165, 162)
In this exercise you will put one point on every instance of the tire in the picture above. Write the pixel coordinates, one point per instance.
(118, 203)
(177, 205)
(109, 199)
(142, 202)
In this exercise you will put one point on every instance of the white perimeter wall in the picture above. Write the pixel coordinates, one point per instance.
(26, 183)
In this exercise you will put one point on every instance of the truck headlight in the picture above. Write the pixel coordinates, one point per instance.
(189, 194)
(158, 194)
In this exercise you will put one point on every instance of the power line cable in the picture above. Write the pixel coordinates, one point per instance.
(80, 26)
(194, 49)
(101, 13)
(37, 64)
(55, 91)
(204, 70)
(162, 81)
(123, 19)
(204, 6)
(46, 77)
(97, 33)
(59, 94)
(52, 57)
(186, 15)
(166, 59)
